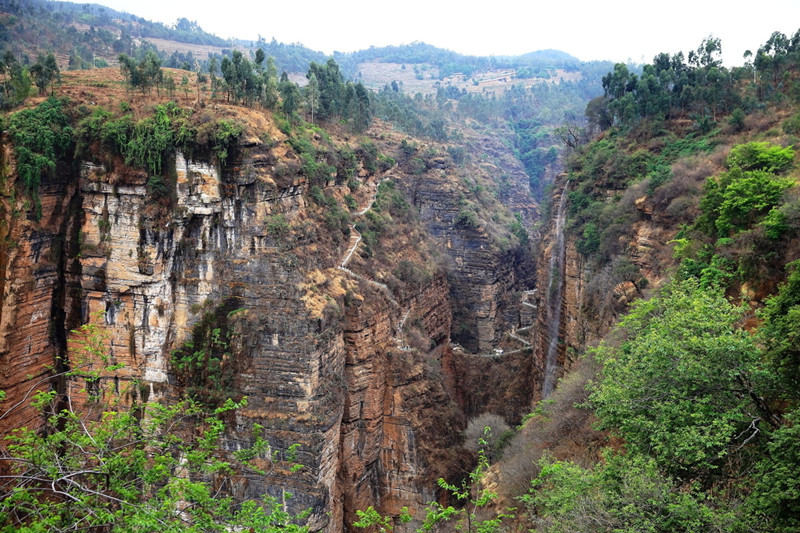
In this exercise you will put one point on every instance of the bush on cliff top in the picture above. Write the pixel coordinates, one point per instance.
(41, 136)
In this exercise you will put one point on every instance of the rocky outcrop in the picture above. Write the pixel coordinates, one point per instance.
(397, 409)
(593, 297)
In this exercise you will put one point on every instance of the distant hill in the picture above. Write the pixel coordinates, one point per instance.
(449, 63)
(548, 57)
(84, 36)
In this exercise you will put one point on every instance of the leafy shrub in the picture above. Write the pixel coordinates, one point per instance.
(748, 197)
(152, 140)
(673, 390)
(206, 364)
(412, 274)
(466, 217)
(780, 331)
(736, 120)
(347, 163)
(760, 156)
(590, 240)
(792, 125)
(220, 137)
(41, 136)
(277, 226)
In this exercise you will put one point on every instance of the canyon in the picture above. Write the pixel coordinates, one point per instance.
(367, 357)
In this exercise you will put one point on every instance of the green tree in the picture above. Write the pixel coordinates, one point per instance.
(145, 467)
(41, 137)
(143, 75)
(312, 95)
(760, 156)
(681, 387)
(780, 333)
(331, 87)
(748, 197)
(269, 85)
(776, 494)
(290, 95)
(140, 469)
(16, 82)
(624, 494)
(45, 72)
(260, 56)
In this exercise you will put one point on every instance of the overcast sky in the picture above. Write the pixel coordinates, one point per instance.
(588, 29)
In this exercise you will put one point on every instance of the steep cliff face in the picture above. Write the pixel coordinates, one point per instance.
(35, 261)
(461, 206)
(593, 296)
(230, 284)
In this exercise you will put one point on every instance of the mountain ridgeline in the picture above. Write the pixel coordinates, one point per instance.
(268, 290)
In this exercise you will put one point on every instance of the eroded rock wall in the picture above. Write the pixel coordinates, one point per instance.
(360, 375)
(35, 271)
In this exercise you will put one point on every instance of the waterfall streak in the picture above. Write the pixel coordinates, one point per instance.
(555, 285)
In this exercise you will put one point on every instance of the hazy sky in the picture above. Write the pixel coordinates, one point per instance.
(588, 29)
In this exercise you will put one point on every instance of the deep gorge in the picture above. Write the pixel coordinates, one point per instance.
(353, 365)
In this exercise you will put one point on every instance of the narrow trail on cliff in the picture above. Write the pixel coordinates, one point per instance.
(355, 240)
(555, 286)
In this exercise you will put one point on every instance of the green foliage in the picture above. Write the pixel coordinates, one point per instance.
(347, 163)
(150, 467)
(775, 224)
(741, 197)
(328, 95)
(669, 86)
(776, 493)
(412, 274)
(718, 273)
(469, 496)
(792, 125)
(45, 72)
(153, 140)
(220, 137)
(467, 217)
(674, 388)
(590, 240)
(206, 364)
(519, 230)
(626, 493)
(747, 198)
(373, 520)
(143, 75)
(128, 470)
(780, 332)
(736, 120)
(249, 84)
(17, 83)
(278, 227)
(317, 171)
(41, 136)
(336, 218)
(761, 156)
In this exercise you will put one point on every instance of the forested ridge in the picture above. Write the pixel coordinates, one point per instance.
(683, 212)
(695, 386)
